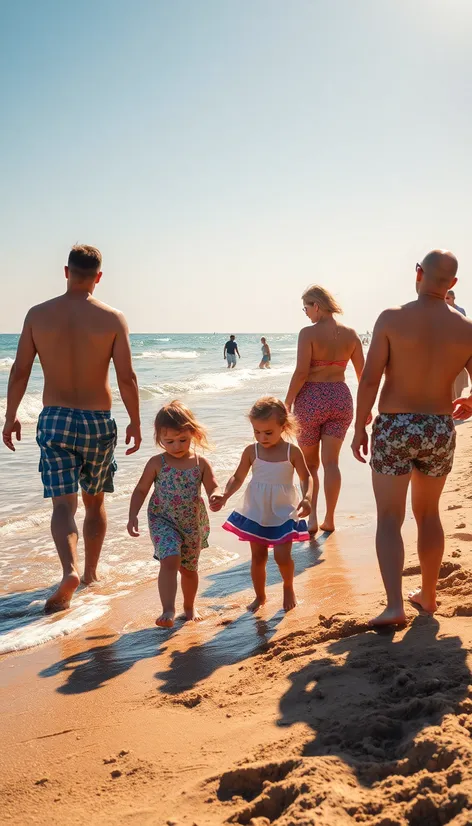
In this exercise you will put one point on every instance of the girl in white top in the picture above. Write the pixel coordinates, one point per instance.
(272, 512)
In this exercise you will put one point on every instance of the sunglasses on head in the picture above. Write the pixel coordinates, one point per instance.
(419, 267)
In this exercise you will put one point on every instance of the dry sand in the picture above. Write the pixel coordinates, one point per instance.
(298, 720)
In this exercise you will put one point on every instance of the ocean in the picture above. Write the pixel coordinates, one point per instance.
(188, 367)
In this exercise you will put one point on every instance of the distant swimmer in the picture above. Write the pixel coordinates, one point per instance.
(229, 352)
(76, 337)
(413, 437)
(266, 356)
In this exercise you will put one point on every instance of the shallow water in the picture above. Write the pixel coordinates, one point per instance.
(189, 367)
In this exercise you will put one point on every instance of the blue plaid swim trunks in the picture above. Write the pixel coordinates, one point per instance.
(76, 448)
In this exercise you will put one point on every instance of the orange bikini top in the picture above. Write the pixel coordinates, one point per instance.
(322, 363)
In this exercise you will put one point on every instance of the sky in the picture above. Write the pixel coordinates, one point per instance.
(225, 154)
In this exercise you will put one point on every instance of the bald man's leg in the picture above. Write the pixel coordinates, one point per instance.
(425, 495)
(390, 496)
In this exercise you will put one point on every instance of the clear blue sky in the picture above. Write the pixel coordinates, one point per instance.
(225, 153)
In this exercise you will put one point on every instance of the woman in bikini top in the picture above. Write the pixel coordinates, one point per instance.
(320, 396)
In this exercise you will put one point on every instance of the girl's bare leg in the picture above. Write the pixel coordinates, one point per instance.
(259, 554)
(189, 583)
(283, 558)
(167, 583)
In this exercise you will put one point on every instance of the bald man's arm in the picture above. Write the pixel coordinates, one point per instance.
(376, 362)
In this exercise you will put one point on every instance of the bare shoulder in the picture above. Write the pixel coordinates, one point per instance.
(306, 333)
(390, 316)
(204, 463)
(295, 452)
(154, 464)
(249, 453)
(112, 313)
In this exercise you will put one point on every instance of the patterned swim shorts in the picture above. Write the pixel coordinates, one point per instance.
(403, 441)
(323, 409)
(76, 447)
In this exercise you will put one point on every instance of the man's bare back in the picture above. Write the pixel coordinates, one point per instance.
(75, 338)
(420, 348)
(428, 345)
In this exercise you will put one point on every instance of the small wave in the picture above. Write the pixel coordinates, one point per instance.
(24, 522)
(16, 635)
(6, 363)
(288, 349)
(182, 355)
(29, 409)
(222, 382)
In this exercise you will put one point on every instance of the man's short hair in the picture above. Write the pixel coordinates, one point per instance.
(451, 293)
(231, 336)
(84, 261)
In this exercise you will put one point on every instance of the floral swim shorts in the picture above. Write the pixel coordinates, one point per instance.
(403, 441)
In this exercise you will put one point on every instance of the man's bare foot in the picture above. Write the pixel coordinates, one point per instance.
(391, 616)
(60, 599)
(327, 527)
(290, 599)
(257, 603)
(419, 601)
(192, 615)
(166, 620)
(89, 578)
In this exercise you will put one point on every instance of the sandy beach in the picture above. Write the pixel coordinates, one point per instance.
(309, 718)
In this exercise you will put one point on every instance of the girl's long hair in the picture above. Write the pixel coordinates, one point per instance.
(176, 416)
(269, 406)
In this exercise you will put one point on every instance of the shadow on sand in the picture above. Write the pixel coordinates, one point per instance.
(369, 707)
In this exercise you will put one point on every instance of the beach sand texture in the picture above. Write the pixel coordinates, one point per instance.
(298, 720)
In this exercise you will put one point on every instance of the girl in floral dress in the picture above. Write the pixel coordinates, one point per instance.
(178, 520)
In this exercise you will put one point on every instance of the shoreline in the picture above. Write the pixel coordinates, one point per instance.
(266, 718)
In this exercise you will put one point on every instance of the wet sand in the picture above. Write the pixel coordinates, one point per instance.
(309, 718)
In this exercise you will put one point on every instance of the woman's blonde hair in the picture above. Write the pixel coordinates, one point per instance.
(176, 416)
(321, 297)
(270, 406)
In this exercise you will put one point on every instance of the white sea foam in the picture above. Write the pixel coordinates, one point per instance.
(177, 355)
(29, 409)
(6, 363)
(37, 631)
(221, 382)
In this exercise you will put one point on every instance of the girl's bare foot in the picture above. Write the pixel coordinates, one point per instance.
(427, 604)
(60, 599)
(257, 603)
(192, 615)
(391, 616)
(290, 599)
(312, 527)
(166, 620)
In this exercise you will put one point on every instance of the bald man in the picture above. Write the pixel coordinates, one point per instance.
(420, 347)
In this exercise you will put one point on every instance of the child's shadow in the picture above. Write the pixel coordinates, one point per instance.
(238, 640)
(238, 578)
(93, 668)
(370, 707)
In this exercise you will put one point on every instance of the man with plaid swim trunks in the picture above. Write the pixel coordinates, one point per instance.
(420, 347)
(76, 337)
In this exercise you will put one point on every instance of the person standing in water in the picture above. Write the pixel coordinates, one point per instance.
(229, 352)
(413, 436)
(266, 356)
(76, 337)
(321, 398)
